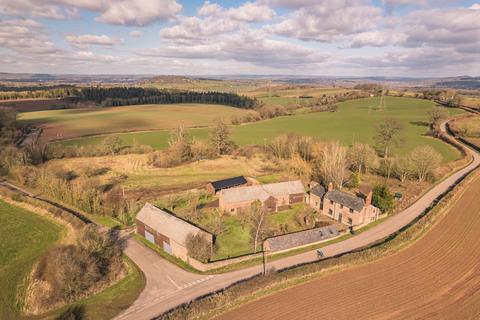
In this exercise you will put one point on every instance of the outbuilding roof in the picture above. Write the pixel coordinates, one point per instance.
(228, 183)
(168, 224)
(318, 190)
(301, 238)
(262, 192)
(349, 200)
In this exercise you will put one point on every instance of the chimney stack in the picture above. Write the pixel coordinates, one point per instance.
(330, 186)
(368, 199)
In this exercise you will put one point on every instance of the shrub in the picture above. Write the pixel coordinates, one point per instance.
(382, 198)
(199, 247)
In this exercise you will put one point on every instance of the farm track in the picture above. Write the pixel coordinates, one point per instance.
(438, 277)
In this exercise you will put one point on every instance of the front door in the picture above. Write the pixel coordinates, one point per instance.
(339, 217)
(149, 236)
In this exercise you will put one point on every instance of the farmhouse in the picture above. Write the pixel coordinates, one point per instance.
(167, 230)
(299, 239)
(342, 206)
(272, 196)
(216, 186)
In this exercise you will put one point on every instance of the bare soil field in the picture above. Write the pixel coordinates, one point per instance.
(437, 277)
(27, 105)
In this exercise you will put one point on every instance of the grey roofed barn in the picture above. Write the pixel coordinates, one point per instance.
(301, 238)
(349, 200)
(168, 224)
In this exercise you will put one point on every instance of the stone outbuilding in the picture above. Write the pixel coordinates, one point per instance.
(273, 196)
(167, 231)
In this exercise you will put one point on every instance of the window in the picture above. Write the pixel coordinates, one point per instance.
(331, 202)
(232, 210)
(341, 206)
(351, 210)
(350, 221)
(330, 212)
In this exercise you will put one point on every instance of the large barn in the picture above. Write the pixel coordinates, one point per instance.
(167, 230)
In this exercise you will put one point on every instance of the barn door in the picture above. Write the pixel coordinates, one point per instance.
(167, 248)
(149, 236)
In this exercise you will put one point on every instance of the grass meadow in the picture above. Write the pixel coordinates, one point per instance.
(24, 237)
(68, 123)
(355, 121)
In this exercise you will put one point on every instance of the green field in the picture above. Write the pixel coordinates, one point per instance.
(355, 121)
(68, 123)
(24, 237)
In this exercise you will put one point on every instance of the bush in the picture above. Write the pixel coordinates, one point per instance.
(383, 198)
(199, 248)
(68, 272)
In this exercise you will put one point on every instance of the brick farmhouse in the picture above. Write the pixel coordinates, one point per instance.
(272, 196)
(167, 231)
(342, 206)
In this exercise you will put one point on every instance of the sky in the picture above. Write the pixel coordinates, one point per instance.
(417, 38)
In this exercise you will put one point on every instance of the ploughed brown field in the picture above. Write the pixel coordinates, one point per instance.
(437, 277)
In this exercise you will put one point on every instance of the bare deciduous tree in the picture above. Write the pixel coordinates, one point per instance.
(402, 168)
(258, 221)
(423, 160)
(362, 158)
(333, 164)
(220, 138)
(387, 134)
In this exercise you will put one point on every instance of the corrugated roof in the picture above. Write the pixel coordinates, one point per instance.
(262, 192)
(301, 238)
(347, 199)
(228, 183)
(168, 224)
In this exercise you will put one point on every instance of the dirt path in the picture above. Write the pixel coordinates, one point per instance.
(437, 277)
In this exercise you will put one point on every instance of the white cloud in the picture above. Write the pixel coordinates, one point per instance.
(84, 40)
(123, 12)
(377, 39)
(328, 21)
(24, 36)
(248, 46)
(139, 12)
(135, 34)
(216, 20)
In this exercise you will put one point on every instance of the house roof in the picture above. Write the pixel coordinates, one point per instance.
(301, 238)
(262, 192)
(347, 199)
(168, 224)
(318, 190)
(228, 183)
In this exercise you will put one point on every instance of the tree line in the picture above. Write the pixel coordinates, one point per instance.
(120, 96)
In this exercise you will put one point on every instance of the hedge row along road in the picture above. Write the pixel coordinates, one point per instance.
(169, 286)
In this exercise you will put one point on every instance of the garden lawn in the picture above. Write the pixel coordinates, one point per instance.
(24, 237)
(68, 123)
(355, 121)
